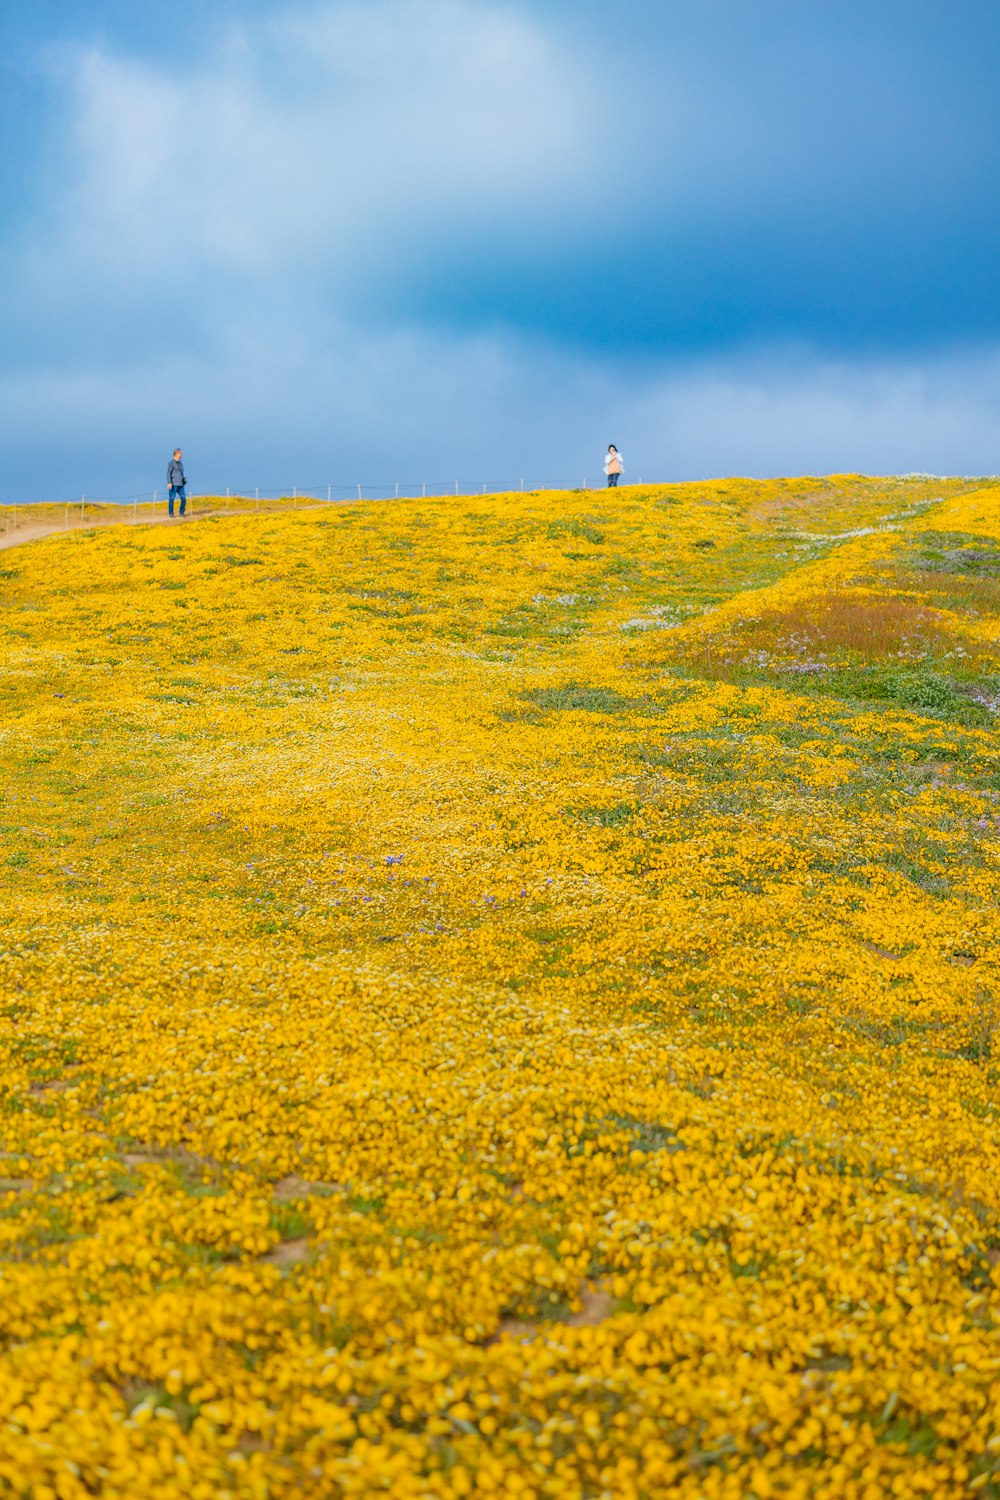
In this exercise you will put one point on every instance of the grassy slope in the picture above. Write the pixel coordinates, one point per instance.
(500, 996)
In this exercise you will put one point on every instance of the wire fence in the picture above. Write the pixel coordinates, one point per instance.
(92, 509)
(329, 491)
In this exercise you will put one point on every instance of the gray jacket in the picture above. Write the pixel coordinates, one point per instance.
(175, 474)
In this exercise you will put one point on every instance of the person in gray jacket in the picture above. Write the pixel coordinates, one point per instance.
(176, 482)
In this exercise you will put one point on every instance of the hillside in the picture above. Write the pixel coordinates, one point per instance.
(501, 996)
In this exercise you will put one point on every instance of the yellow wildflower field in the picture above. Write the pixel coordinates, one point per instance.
(499, 997)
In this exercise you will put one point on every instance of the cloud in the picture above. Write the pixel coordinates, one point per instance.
(335, 139)
(418, 406)
(417, 239)
(784, 411)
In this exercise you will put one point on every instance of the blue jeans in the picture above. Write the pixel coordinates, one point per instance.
(177, 489)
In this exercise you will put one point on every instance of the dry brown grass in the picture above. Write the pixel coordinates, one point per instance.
(868, 626)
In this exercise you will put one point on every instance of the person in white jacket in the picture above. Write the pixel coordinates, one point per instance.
(613, 466)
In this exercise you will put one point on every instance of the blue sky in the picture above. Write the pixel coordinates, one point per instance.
(380, 240)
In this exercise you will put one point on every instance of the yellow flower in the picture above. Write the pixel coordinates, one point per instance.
(500, 997)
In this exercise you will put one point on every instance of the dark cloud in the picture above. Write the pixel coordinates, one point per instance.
(312, 237)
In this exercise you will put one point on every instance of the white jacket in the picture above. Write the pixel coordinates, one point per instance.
(608, 461)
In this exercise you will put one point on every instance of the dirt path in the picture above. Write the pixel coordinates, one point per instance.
(24, 534)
